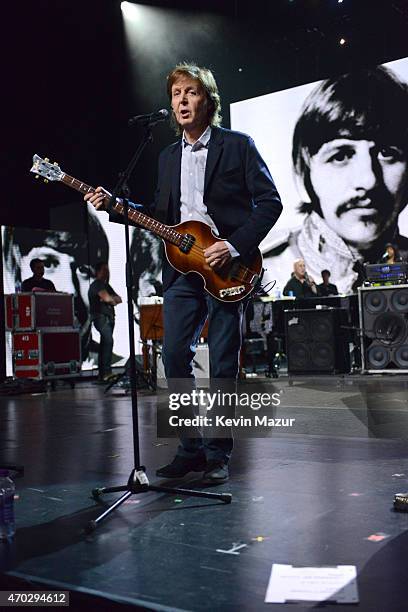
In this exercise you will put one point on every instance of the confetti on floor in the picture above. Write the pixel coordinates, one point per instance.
(377, 537)
(259, 539)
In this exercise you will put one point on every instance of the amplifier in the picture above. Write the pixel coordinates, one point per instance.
(383, 273)
(384, 326)
(317, 341)
(41, 310)
(46, 354)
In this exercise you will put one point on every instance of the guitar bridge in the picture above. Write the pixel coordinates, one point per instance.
(228, 291)
(186, 243)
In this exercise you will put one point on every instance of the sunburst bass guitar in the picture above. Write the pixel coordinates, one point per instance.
(184, 243)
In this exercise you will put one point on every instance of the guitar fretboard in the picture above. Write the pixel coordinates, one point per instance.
(160, 229)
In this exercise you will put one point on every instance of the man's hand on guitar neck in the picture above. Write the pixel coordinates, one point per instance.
(217, 255)
(98, 198)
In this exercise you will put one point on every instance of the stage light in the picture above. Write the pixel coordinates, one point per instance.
(342, 41)
(130, 10)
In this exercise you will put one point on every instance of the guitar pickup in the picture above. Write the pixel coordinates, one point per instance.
(186, 243)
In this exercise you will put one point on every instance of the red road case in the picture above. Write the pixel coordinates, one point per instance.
(46, 354)
(39, 310)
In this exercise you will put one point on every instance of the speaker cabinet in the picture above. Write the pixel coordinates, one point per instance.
(316, 342)
(384, 328)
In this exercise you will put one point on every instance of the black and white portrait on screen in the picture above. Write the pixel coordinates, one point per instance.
(70, 260)
(146, 258)
(339, 150)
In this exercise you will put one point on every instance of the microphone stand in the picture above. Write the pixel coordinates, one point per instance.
(137, 481)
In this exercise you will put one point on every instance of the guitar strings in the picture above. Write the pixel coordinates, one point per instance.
(244, 269)
(198, 249)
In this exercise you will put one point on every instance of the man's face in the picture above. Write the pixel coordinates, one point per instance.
(360, 187)
(189, 103)
(38, 269)
(103, 273)
(325, 278)
(299, 268)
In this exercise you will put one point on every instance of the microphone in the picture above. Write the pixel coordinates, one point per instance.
(384, 256)
(151, 118)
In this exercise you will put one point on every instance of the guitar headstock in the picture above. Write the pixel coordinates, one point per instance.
(43, 167)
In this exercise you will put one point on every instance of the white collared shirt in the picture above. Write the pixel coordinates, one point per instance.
(193, 163)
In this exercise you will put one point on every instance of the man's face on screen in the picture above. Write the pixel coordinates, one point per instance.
(59, 268)
(360, 186)
(149, 284)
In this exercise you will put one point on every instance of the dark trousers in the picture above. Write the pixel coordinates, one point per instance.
(104, 326)
(185, 309)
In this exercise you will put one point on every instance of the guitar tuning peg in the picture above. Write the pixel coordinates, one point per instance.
(46, 181)
(46, 159)
(55, 163)
(37, 176)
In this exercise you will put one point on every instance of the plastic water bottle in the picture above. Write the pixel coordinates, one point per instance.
(18, 286)
(7, 489)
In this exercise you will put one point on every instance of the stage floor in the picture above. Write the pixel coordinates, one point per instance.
(320, 494)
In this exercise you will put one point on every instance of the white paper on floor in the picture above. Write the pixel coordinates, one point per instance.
(288, 583)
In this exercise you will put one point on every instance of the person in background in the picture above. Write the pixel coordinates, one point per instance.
(37, 282)
(300, 285)
(102, 302)
(325, 288)
(391, 255)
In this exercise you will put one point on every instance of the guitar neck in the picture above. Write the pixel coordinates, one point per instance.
(159, 229)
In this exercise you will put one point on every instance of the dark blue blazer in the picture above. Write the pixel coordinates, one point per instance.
(239, 192)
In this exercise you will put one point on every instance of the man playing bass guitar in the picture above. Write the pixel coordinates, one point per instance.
(216, 176)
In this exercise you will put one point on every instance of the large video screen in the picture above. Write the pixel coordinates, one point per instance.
(337, 150)
(70, 259)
